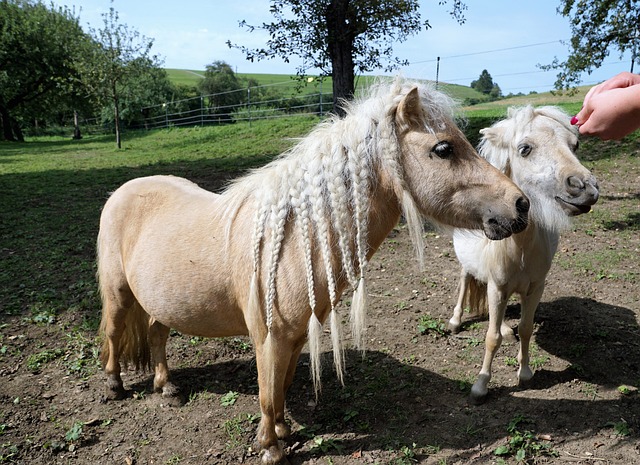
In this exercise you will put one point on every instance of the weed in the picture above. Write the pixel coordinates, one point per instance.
(407, 456)
(523, 444)
(511, 361)
(35, 361)
(229, 398)
(173, 460)
(537, 359)
(474, 342)
(590, 390)
(323, 446)
(8, 452)
(431, 325)
(577, 350)
(234, 430)
(75, 432)
(621, 428)
(82, 357)
(465, 383)
(237, 343)
(72, 438)
(625, 390)
(350, 415)
(474, 326)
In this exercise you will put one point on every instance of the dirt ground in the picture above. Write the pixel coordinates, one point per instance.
(404, 401)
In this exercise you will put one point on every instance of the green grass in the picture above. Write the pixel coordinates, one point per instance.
(290, 83)
(52, 191)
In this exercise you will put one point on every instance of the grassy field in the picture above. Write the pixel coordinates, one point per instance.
(571, 103)
(192, 77)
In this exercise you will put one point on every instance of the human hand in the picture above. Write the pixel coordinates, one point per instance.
(611, 110)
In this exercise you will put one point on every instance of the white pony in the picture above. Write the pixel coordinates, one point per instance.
(535, 147)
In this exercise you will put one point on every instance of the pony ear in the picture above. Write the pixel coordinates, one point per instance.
(410, 113)
(494, 135)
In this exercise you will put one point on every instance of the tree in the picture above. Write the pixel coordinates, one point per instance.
(597, 27)
(222, 86)
(341, 37)
(121, 57)
(484, 83)
(38, 56)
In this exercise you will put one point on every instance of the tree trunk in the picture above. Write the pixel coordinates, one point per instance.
(76, 127)
(340, 39)
(116, 115)
(7, 131)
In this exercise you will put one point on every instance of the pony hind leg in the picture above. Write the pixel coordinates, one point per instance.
(116, 308)
(455, 323)
(525, 329)
(158, 335)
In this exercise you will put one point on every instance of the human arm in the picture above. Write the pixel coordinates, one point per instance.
(611, 110)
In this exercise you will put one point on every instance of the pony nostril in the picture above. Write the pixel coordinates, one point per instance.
(522, 205)
(574, 184)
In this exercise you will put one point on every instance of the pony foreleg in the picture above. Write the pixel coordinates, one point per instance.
(273, 361)
(497, 306)
(158, 335)
(456, 320)
(529, 304)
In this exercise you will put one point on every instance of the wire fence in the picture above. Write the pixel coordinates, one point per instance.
(250, 104)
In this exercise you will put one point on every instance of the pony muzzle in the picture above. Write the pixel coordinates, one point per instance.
(500, 227)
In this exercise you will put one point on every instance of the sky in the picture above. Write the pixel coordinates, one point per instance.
(507, 38)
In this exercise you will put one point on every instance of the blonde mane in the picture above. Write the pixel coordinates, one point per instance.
(323, 185)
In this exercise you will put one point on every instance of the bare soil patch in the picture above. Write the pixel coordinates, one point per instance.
(405, 400)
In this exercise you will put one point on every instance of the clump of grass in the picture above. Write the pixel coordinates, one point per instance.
(430, 325)
(523, 444)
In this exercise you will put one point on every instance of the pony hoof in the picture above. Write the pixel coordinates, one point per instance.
(172, 395)
(114, 394)
(478, 395)
(274, 455)
(454, 328)
(114, 390)
(477, 399)
(524, 376)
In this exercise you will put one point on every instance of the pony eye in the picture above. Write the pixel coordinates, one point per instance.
(524, 149)
(443, 149)
(576, 146)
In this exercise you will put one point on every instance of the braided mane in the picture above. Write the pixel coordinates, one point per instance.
(323, 184)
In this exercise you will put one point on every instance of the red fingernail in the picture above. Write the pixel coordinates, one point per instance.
(574, 120)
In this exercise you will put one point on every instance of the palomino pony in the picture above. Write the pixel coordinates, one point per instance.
(535, 148)
(271, 255)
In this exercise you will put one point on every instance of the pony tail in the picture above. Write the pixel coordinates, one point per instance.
(414, 224)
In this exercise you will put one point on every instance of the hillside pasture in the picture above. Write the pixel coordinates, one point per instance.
(405, 400)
